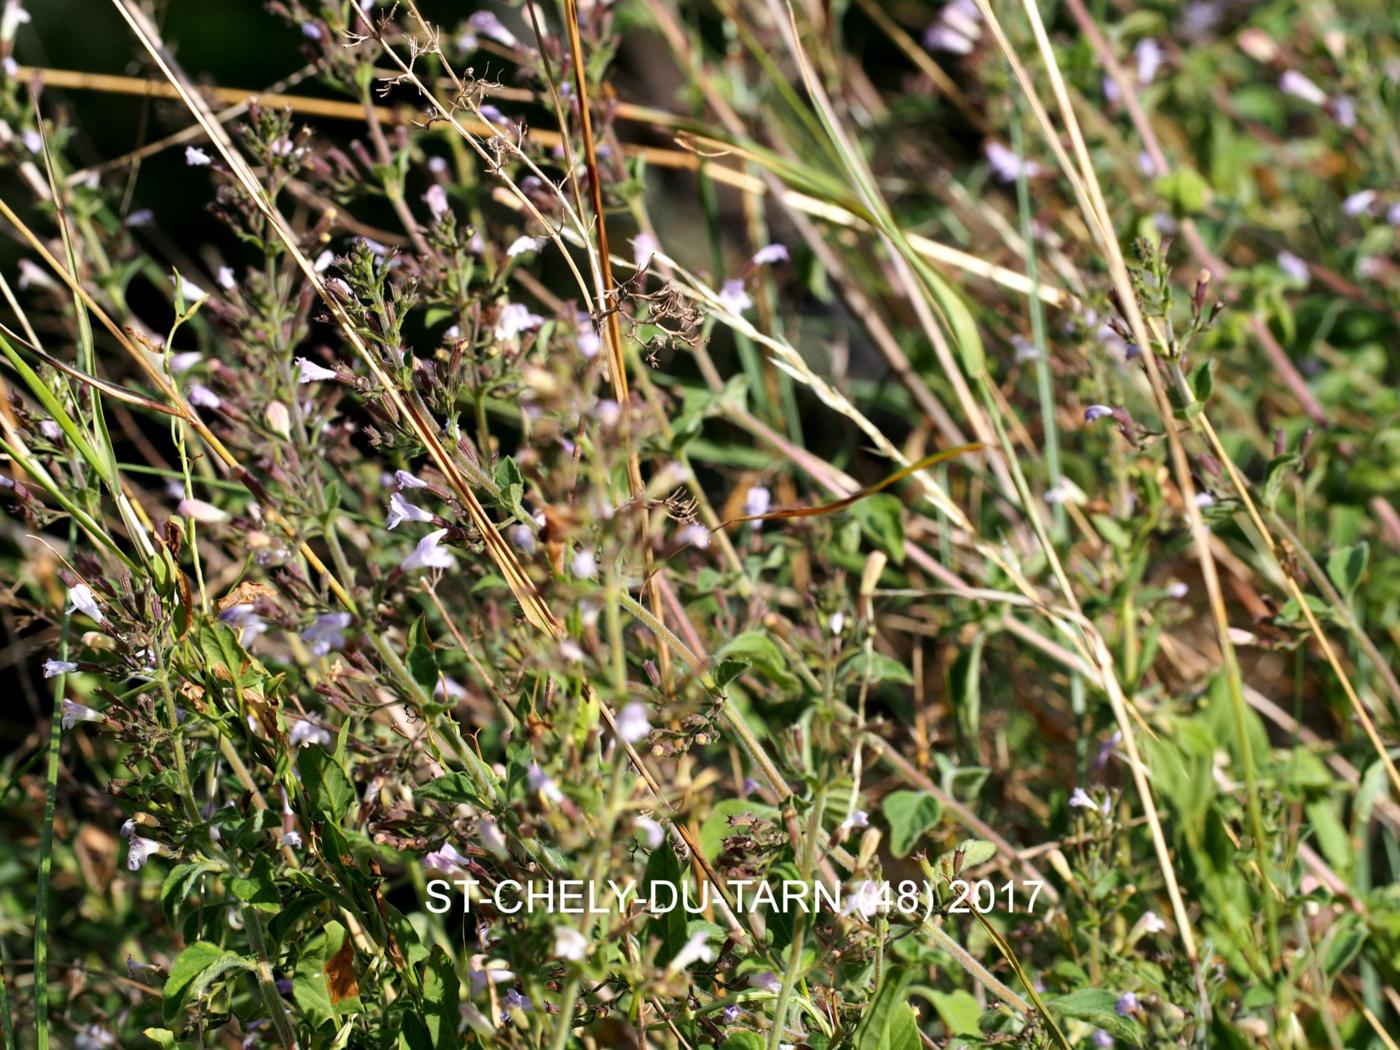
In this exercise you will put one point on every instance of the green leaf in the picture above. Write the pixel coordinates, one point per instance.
(743, 1041)
(764, 656)
(1346, 566)
(727, 670)
(881, 517)
(194, 970)
(1203, 379)
(958, 1010)
(1097, 1006)
(327, 787)
(909, 814)
(1187, 191)
(450, 787)
(512, 485)
(888, 1023)
(440, 990)
(663, 869)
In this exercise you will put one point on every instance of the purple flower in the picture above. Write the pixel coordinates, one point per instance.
(309, 371)
(305, 733)
(514, 1000)
(74, 712)
(405, 480)
(1359, 202)
(486, 24)
(327, 633)
(1294, 267)
(766, 256)
(1127, 1004)
(436, 200)
(81, 599)
(1102, 1038)
(632, 724)
(584, 565)
(139, 850)
(756, 503)
(400, 510)
(1079, 798)
(202, 397)
(515, 319)
(1006, 165)
(1149, 56)
(733, 297)
(1096, 412)
(248, 622)
(1298, 86)
(446, 860)
(54, 668)
(196, 157)
(524, 246)
(201, 511)
(429, 555)
(542, 784)
(767, 981)
(729, 1014)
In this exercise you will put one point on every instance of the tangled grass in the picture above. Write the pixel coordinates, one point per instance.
(910, 483)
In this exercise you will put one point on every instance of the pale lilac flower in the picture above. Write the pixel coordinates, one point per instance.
(858, 819)
(309, 371)
(696, 535)
(756, 502)
(139, 850)
(54, 668)
(643, 248)
(864, 901)
(1149, 57)
(730, 1014)
(1293, 267)
(1392, 214)
(327, 633)
(940, 37)
(190, 292)
(1295, 84)
(1112, 93)
(733, 297)
(584, 565)
(522, 537)
(491, 837)
(436, 200)
(449, 689)
(1151, 922)
(243, 617)
(1176, 589)
(400, 510)
(323, 261)
(524, 246)
(185, 360)
(837, 625)
(608, 412)
(81, 599)
(1344, 110)
(1127, 1004)
(140, 217)
(1102, 1039)
(311, 31)
(514, 1000)
(569, 650)
(767, 981)
(405, 480)
(93, 1036)
(542, 784)
(196, 157)
(429, 555)
(957, 28)
(31, 276)
(226, 278)
(201, 511)
(33, 141)
(446, 860)
(1096, 412)
(1080, 799)
(770, 254)
(1146, 164)
(1006, 165)
(1359, 202)
(74, 712)
(589, 343)
(651, 831)
(202, 397)
(305, 733)
(632, 723)
(515, 319)
(488, 25)
(290, 838)
(1106, 749)
(50, 429)
(696, 949)
(1065, 491)
(1205, 499)
(569, 944)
